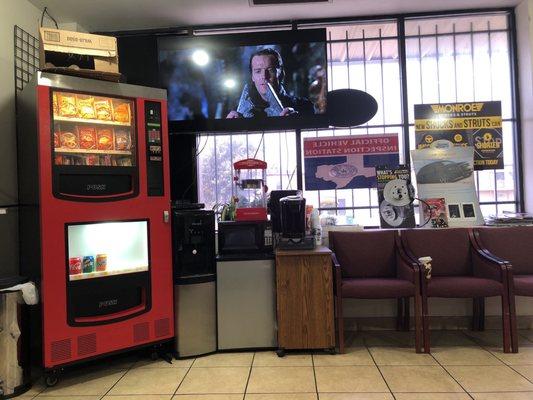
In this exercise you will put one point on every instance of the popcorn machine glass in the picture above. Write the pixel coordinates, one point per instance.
(250, 189)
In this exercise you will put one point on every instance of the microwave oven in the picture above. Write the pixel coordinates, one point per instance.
(244, 237)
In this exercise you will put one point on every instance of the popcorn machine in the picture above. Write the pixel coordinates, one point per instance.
(250, 189)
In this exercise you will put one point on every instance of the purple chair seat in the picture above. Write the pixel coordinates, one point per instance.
(463, 287)
(377, 288)
(523, 285)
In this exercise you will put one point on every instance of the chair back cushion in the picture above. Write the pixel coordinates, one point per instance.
(449, 248)
(514, 244)
(368, 254)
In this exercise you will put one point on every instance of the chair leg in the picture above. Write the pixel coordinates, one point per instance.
(514, 331)
(506, 326)
(406, 313)
(399, 313)
(418, 324)
(478, 314)
(425, 322)
(340, 324)
(481, 315)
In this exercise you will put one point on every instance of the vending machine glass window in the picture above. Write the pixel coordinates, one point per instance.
(107, 248)
(93, 130)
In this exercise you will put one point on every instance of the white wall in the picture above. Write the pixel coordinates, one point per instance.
(524, 28)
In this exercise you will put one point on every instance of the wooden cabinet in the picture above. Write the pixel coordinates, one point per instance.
(305, 299)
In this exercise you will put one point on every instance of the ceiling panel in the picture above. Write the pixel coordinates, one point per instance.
(118, 15)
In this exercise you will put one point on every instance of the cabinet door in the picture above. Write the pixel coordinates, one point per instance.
(305, 302)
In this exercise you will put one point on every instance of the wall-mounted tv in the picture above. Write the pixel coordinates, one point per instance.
(248, 81)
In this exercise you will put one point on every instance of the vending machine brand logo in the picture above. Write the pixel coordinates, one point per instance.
(107, 303)
(98, 187)
(449, 108)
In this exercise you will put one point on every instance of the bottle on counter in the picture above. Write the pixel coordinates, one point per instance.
(316, 227)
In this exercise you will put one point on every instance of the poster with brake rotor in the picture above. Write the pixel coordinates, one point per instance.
(476, 124)
(395, 196)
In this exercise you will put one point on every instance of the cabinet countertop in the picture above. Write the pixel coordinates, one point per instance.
(318, 250)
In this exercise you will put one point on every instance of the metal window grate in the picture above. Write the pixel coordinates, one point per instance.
(26, 56)
(445, 59)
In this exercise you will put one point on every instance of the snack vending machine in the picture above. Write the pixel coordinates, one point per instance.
(95, 226)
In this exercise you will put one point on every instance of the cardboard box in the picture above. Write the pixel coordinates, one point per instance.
(78, 53)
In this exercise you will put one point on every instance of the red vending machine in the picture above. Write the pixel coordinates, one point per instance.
(94, 225)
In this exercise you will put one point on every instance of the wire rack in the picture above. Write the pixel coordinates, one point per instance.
(26, 57)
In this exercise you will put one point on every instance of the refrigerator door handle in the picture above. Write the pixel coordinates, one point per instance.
(166, 216)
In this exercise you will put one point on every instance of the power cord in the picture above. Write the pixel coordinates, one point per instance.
(45, 12)
(429, 208)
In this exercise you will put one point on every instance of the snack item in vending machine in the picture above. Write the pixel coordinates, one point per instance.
(103, 109)
(68, 140)
(121, 112)
(88, 264)
(105, 139)
(86, 108)
(58, 160)
(122, 140)
(67, 105)
(91, 159)
(74, 265)
(87, 138)
(57, 143)
(101, 262)
(55, 107)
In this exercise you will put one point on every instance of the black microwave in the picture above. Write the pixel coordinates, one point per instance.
(236, 237)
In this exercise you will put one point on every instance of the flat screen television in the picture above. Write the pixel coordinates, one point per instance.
(248, 81)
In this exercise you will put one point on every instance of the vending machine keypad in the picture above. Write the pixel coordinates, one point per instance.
(154, 156)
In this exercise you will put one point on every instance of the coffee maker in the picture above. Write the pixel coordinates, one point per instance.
(293, 233)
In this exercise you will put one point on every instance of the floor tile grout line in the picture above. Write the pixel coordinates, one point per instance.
(184, 376)
(448, 372)
(249, 376)
(380, 372)
(519, 373)
(314, 374)
(114, 384)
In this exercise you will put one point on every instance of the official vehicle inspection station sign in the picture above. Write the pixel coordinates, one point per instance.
(347, 162)
(477, 124)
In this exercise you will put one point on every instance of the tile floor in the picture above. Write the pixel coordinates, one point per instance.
(377, 366)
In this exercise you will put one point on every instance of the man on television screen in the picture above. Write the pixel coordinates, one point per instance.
(265, 95)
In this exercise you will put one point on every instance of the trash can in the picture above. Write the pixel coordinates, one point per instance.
(14, 334)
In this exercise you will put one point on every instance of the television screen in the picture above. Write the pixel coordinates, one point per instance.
(249, 81)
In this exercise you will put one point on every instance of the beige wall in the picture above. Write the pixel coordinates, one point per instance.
(27, 16)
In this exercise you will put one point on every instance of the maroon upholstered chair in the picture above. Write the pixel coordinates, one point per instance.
(512, 246)
(372, 265)
(459, 270)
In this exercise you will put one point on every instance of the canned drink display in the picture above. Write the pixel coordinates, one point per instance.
(88, 264)
(74, 264)
(101, 262)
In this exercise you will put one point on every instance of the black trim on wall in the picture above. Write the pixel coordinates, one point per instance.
(515, 90)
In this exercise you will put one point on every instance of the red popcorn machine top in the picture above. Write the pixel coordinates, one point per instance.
(250, 189)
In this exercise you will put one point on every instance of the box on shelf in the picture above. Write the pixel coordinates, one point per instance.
(77, 53)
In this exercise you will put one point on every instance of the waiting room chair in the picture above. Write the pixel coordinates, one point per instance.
(512, 246)
(459, 270)
(372, 265)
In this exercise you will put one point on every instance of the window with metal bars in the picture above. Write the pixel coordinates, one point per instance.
(442, 59)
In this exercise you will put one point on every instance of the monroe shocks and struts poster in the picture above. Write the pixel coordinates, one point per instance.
(477, 124)
(347, 162)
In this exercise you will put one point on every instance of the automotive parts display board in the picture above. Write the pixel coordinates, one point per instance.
(477, 124)
(347, 162)
(395, 196)
(445, 180)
